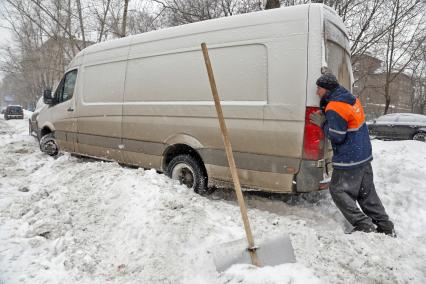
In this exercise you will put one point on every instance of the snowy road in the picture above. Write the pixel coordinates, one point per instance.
(70, 220)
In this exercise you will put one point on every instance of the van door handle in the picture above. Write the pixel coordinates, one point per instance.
(70, 109)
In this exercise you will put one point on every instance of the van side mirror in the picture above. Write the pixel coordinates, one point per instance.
(47, 97)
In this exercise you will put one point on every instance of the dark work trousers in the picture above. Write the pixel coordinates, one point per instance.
(352, 185)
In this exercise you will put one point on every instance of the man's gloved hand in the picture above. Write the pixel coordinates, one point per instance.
(317, 118)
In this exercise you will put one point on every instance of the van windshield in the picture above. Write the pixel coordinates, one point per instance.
(339, 63)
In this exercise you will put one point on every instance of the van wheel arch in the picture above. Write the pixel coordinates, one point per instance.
(48, 143)
(177, 150)
(44, 131)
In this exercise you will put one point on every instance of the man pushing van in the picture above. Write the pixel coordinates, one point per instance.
(343, 121)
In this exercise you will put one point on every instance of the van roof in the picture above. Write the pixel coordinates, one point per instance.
(254, 18)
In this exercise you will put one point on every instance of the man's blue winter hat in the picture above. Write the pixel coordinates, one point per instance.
(328, 81)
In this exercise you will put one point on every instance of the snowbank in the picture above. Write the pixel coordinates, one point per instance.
(70, 220)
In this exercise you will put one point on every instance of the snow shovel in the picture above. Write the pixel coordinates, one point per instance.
(274, 252)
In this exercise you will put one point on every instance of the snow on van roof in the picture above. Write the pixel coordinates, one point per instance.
(254, 18)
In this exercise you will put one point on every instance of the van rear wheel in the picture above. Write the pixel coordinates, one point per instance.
(49, 145)
(189, 172)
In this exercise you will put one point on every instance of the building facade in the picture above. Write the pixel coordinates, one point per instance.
(370, 81)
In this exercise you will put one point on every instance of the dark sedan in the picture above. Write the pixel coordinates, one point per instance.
(399, 126)
(13, 112)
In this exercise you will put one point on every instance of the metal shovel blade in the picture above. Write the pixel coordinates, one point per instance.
(270, 253)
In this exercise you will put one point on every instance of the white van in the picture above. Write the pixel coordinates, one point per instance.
(145, 100)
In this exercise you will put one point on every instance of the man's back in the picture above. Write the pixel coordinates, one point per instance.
(347, 130)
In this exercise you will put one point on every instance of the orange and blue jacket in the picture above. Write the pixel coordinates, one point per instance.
(346, 128)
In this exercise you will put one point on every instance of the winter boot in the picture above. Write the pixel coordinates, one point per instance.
(390, 233)
(363, 228)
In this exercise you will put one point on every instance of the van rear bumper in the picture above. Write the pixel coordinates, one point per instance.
(311, 176)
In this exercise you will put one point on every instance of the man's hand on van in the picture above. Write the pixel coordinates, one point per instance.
(317, 118)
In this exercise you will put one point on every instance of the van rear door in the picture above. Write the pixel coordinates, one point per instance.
(328, 48)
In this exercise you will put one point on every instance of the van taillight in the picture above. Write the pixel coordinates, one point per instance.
(314, 138)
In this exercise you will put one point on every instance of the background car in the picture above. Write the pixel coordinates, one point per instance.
(3, 109)
(32, 121)
(399, 126)
(13, 111)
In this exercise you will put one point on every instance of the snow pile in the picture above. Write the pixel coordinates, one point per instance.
(71, 220)
(400, 172)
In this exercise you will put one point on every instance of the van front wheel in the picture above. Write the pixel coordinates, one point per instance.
(188, 171)
(49, 145)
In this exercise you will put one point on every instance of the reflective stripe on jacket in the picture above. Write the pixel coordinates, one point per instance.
(346, 128)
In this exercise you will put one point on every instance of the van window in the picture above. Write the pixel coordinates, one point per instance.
(65, 90)
(337, 54)
(339, 63)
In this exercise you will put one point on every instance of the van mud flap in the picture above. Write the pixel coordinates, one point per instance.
(313, 176)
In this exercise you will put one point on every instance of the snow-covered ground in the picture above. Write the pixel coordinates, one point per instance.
(71, 220)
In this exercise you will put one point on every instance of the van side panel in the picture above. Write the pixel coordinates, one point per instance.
(180, 76)
(285, 112)
(186, 95)
(167, 93)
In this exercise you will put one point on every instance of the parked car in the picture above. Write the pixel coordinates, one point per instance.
(145, 100)
(13, 111)
(3, 109)
(399, 126)
(32, 121)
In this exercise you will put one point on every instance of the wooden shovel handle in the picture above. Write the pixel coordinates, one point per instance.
(230, 156)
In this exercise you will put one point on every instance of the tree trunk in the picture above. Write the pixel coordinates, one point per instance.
(272, 4)
(124, 23)
(101, 33)
(80, 16)
(387, 97)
